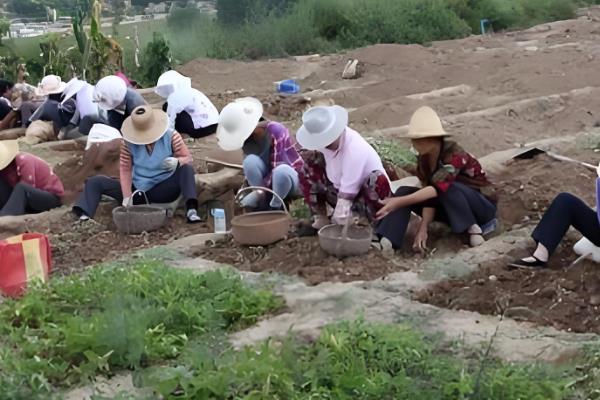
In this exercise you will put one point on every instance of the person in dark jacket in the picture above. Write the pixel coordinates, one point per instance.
(452, 181)
(112, 95)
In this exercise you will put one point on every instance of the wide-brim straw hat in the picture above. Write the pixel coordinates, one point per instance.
(145, 125)
(50, 84)
(73, 87)
(425, 123)
(171, 81)
(321, 126)
(110, 92)
(237, 121)
(8, 152)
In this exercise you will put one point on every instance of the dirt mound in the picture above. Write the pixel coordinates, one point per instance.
(565, 298)
(302, 257)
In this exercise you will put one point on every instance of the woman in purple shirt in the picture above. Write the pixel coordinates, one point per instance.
(270, 156)
(565, 211)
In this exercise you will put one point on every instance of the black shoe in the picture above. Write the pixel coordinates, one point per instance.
(522, 264)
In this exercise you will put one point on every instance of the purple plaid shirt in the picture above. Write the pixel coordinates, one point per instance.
(284, 149)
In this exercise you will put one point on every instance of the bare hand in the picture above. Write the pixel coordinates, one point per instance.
(389, 205)
(420, 243)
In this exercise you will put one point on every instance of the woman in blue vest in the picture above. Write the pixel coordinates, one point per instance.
(154, 160)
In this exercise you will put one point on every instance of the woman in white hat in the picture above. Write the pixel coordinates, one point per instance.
(54, 109)
(114, 96)
(452, 181)
(189, 110)
(87, 112)
(270, 155)
(154, 160)
(344, 171)
(27, 183)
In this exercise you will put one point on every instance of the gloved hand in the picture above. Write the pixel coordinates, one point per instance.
(170, 163)
(343, 211)
(126, 201)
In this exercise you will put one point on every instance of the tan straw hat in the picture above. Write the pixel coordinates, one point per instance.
(145, 125)
(8, 152)
(425, 123)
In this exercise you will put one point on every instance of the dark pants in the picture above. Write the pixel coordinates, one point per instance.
(185, 124)
(565, 211)
(86, 123)
(25, 199)
(116, 119)
(181, 182)
(460, 207)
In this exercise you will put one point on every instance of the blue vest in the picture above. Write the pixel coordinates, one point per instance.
(147, 168)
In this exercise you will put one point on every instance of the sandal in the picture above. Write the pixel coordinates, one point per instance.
(523, 264)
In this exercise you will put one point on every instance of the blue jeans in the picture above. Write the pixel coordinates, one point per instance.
(285, 180)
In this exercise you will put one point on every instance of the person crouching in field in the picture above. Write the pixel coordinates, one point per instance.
(452, 181)
(566, 210)
(155, 164)
(270, 156)
(27, 183)
(189, 110)
(341, 169)
(114, 96)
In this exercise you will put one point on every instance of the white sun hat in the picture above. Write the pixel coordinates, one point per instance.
(321, 126)
(425, 123)
(110, 92)
(101, 133)
(50, 84)
(72, 88)
(237, 121)
(171, 81)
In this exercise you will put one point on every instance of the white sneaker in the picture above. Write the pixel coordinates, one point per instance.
(476, 240)
(84, 217)
(193, 217)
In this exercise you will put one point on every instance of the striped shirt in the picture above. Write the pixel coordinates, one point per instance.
(180, 151)
(284, 149)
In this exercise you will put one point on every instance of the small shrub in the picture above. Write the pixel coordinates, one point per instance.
(156, 59)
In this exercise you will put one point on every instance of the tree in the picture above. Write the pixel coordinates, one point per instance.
(27, 7)
(4, 28)
(118, 7)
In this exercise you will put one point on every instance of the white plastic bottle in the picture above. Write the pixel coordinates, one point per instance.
(220, 221)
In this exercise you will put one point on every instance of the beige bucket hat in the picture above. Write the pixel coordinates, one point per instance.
(321, 126)
(237, 121)
(145, 125)
(425, 123)
(50, 84)
(8, 152)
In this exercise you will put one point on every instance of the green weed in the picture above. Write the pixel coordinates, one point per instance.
(393, 152)
(351, 360)
(113, 318)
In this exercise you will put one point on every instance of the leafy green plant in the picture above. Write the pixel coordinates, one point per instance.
(120, 317)
(156, 58)
(393, 152)
(350, 360)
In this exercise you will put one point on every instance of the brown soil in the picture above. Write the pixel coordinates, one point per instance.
(562, 297)
(77, 245)
(302, 257)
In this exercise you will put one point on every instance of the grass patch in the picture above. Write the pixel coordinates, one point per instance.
(393, 152)
(126, 316)
(351, 360)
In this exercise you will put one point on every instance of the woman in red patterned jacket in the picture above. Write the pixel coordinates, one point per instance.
(452, 180)
(27, 183)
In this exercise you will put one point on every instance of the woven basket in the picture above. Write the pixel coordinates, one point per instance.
(133, 220)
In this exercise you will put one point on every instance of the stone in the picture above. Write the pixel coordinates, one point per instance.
(493, 278)
(520, 313)
(194, 243)
(548, 292)
(568, 285)
(595, 300)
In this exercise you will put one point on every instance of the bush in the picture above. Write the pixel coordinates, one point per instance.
(156, 59)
